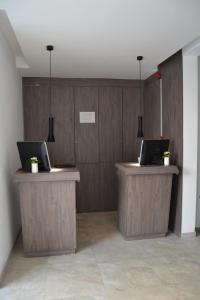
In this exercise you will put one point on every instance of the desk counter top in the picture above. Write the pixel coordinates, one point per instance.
(56, 174)
(135, 169)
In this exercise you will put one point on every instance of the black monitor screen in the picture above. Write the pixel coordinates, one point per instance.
(152, 151)
(34, 149)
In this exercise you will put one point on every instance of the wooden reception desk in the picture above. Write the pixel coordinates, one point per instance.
(48, 211)
(144, 199)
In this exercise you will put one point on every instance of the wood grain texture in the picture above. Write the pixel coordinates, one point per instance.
(62, 151)
(136, 169)
(110, 124)
(152, 109)
(86, 135)
(144, 212)
(88, 189)
(36, 112)
(172, 75)
(80, 82)
(108, 186)
(48, 217)
(122, 202)
(64, 174)
(93, 144)
(132, 108)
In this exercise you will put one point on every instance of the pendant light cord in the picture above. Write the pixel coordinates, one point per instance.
(140, 72)
(50, 84)
(140, 131)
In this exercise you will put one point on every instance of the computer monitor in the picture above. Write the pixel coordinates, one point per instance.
(31, 149)
(152, 151)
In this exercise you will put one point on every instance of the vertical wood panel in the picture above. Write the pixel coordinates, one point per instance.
(110, 124)
(144, 212)
(93, 147)
(108, 186)
(173, 104)
(48, 217)
(62, 151)
(88, 188)
(132, 108)
(87, 143)
(172, 74)
(152, 110)
(36, 111)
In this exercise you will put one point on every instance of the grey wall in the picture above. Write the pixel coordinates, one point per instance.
(198, 156)
(11, 128)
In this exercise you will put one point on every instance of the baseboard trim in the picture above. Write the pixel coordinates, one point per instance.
(197, 229)
(144, 236)
(49, 253)
(2, 274)
(170, 232)
(188, 235)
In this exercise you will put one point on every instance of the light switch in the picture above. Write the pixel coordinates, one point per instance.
(87, 116)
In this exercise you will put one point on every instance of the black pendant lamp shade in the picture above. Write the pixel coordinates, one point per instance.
(51, 137)
(140, 130)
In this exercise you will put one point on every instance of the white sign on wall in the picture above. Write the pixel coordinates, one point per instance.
(87, 116)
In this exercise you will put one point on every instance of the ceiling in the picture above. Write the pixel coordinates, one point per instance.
(101, 38)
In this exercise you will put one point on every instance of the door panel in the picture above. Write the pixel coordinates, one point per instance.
(88, 188)
(108, 186)
(110, 124)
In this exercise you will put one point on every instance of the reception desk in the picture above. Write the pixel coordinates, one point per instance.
(144, 197)
(48, 211)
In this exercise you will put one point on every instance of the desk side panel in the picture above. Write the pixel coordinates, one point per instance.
(122, 202)
(48, 217)
(148, 205)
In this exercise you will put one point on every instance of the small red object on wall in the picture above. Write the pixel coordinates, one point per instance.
(158, 75)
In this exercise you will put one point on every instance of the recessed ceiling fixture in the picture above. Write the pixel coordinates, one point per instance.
(140, 130)
(51, 137)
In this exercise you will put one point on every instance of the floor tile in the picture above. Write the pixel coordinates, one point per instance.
(106, 267)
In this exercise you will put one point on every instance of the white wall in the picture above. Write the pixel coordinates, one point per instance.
(190, 140)
(198, 177)
(11, 130)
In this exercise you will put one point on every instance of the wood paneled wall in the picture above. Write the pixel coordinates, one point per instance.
(152, 108)
(94, 148)
(172, 75)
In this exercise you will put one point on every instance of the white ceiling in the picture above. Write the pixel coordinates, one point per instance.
(101, 38)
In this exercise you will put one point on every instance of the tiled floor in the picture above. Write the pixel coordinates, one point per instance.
(108, 268)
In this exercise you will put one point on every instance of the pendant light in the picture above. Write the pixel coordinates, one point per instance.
(140, 130)
(51, 137)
